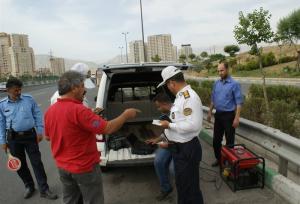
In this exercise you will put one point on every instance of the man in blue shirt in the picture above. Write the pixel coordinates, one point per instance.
(227, 99)
(21, 129)
(163, 161)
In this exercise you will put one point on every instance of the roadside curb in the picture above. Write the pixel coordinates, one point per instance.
(283, 186)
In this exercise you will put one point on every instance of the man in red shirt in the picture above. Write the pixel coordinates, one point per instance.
(71, 129)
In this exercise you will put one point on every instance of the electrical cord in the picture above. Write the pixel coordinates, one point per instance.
(216, 179)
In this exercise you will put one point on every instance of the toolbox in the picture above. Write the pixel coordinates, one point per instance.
(241, 168)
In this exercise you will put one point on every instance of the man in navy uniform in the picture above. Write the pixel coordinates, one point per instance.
(183, 130)
(227, 99)
(21, 129)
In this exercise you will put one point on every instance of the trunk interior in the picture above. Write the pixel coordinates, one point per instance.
(134, 90)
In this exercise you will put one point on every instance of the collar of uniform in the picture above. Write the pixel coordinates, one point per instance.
(180, 93)
(227, 80)
(68, 100)
(11, 101)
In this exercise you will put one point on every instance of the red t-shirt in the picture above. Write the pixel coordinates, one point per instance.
(72, 129)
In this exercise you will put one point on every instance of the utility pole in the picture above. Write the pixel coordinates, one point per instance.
(125, 35)
(121, 48)
(143, 31)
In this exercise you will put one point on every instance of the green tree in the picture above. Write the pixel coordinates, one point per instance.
(207, 64)
(231, 50)
(253, 29)
(156, 58)
(204, 54)
(288, 29)
(192, 56)
(182, 58)
(217, 57)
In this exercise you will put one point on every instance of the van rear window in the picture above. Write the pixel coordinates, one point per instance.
(134, 93)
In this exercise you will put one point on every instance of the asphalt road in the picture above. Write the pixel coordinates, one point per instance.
(131, 185)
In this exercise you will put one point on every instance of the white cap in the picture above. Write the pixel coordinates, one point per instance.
(167, 73)
(83, 69)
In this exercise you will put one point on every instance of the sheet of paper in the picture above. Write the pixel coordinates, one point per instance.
(156, 122)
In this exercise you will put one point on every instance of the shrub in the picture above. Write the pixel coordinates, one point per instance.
(287, 59)
(204, 94)
(254, 109)
(193, 83)
(284, 116)
(268, 59)
(251, 65)
(207, 84)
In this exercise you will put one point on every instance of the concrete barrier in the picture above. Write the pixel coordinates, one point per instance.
(283, 186)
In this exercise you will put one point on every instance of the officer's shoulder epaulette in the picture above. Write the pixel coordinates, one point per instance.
(186, 94)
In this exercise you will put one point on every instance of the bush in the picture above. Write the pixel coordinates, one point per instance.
(217, 57)
(254, 109)
(207, 84)
(284, 116)
(287, 59)
(193, 83)
(268, 59)
(288, 94)
(251, 65)
(204, 94)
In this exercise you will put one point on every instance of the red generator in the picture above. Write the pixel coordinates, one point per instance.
(241, 168)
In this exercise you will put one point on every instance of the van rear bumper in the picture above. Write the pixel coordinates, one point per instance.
(131, 162)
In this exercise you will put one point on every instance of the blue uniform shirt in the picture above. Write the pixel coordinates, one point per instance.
(226, 94)
(21, 115)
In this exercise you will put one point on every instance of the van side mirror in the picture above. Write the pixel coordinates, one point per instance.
(95, 98)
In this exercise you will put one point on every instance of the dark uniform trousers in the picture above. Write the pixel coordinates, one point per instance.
(223, 124)
(186, 162)
(28, 143)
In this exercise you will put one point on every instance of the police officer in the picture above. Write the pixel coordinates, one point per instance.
(227, 99)
(186, 115)
(21, 128)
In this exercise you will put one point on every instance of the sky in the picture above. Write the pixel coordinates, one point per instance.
(92, 29)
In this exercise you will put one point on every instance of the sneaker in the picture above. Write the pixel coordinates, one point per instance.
(163, 195)
(49, 195)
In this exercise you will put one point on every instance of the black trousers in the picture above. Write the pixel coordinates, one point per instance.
(28, 144)
(186, 162)
(223, 124)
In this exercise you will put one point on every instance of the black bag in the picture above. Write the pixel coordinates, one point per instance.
(117, 142)
(138, 147)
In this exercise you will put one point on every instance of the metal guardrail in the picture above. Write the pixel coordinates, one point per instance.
(286, 147)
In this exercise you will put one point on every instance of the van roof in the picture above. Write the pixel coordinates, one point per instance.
(139, 67)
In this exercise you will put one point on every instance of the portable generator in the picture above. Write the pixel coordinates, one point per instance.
(241, 168)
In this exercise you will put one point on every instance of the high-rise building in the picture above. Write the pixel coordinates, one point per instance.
(16, 57)
(175, 55)
(5, 61)
(160, 45)
(57, 65)
(136, 51)
(186, 50)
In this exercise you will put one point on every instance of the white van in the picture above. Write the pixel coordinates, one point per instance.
(129, 86)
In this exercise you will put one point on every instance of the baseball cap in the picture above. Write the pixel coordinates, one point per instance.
(168, 73)
(83, 69)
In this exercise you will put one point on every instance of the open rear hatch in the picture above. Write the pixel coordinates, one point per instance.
(131, 87)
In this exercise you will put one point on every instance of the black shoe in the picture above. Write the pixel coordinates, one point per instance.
(49, 195)
(28, 192)
(215, 164)
(163, 195)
